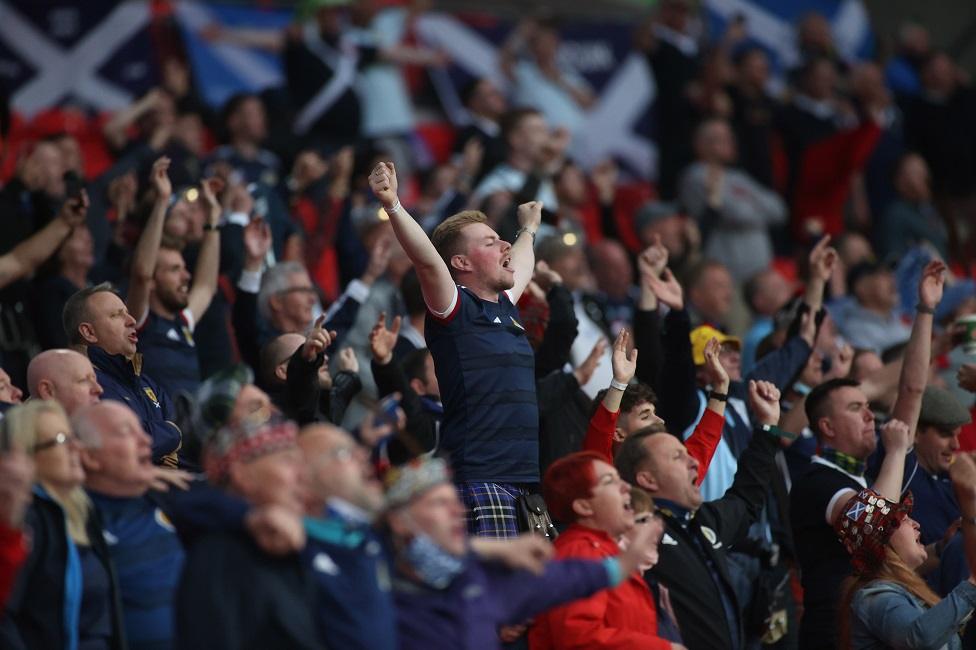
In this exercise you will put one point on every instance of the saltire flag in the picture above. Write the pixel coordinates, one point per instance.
(95, 54)
(224, 69)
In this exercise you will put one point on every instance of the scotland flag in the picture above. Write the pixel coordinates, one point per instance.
(95, 53)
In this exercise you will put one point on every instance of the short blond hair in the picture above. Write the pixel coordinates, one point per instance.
(447, 238)
(640, 500)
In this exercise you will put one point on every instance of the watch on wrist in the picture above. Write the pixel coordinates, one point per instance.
(721, 397)
(924, 309)
(518, 233)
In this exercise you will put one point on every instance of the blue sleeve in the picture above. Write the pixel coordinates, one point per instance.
(952, 566)
(341, 316)
(782, 365)
(522, 594)
(166, 438)
(201, 509)
(894, 618)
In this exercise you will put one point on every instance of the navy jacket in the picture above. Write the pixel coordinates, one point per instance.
(124, 381)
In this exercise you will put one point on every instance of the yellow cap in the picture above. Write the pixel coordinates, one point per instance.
(702, 335)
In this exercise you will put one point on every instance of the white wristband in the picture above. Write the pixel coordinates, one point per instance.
(619, 385)
(393, 210)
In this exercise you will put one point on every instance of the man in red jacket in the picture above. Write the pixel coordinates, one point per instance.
(584, 490)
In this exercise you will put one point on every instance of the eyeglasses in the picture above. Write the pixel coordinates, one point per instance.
(60, 438)
(310, 290)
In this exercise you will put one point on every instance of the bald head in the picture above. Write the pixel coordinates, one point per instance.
(275, 355)
(339, 468)
(64, 376)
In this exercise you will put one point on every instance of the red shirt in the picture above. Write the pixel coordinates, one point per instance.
(701, 444)
(13, 552)
(621, 618)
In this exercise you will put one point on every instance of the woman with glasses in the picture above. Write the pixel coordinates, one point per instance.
(66, 594)
(586, 492)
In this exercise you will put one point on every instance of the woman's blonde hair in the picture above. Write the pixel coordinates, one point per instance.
(21, 423)
(892, 569)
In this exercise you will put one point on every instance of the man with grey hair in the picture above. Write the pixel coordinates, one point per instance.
(288, 302)
(287, 298)
(145, 551)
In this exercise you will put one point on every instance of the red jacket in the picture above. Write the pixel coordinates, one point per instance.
(13, 552)
(701, 444)
(620, 618)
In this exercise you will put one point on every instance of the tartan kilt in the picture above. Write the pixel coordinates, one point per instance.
(490, 509)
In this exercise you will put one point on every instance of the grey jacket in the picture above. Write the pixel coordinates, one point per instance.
(738, 230)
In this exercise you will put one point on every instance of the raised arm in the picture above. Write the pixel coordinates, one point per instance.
(33, 251)
(144, 257)
(918, 352)
(647, 322)
(823, 260)
(523, 256)
(436, 282)
(208, 261)
(742, 503)
(599, 432)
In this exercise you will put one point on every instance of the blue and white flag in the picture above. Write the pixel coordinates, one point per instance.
(770, 24)
(224, 69)
(96, 54)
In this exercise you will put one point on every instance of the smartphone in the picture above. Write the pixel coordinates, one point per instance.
(73, 185)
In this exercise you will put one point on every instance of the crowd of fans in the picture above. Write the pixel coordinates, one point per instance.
(315, 387)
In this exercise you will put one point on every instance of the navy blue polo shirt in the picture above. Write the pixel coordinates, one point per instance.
(167, 348)
(486, 371)
(148, 560)
(935, 504)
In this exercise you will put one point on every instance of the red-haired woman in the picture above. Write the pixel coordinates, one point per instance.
(582, 489)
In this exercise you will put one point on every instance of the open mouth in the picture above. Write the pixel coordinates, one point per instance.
(507, 264)
(134, 337)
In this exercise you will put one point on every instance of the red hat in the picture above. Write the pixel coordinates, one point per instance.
(866, 525)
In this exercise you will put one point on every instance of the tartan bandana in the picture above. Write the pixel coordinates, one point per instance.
(844, 461)
(246, 443)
